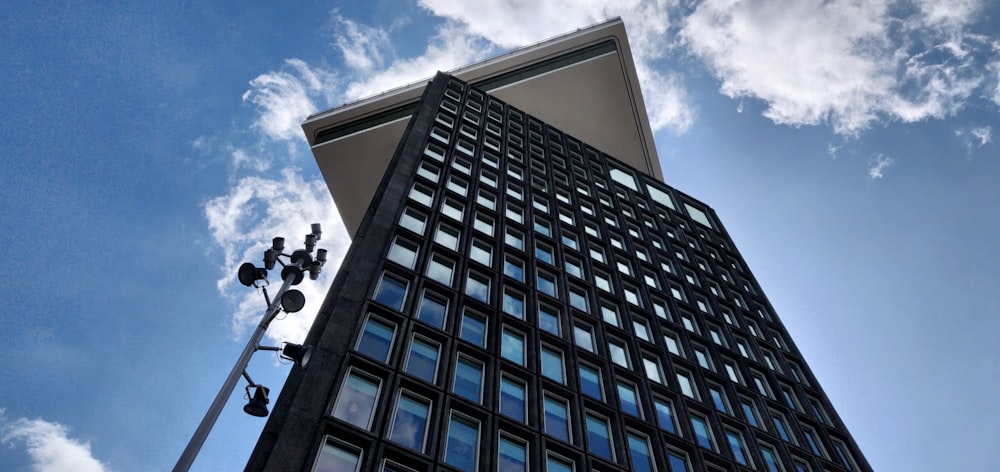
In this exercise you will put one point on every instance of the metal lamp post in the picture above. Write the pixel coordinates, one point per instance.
(290, 301)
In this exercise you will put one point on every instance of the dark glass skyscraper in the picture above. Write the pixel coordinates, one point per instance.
(518, 300)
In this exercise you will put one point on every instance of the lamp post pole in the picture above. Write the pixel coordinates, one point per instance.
(291, 274)
(200, 434)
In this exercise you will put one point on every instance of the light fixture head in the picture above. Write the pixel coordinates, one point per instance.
(257, 406)
(314, 270)
(310, 242)
(278, 244)
(292, 301)
(249, 273)
(317, 230)
(321, 256)
(298, 353)
(295, 272)
(270, 257)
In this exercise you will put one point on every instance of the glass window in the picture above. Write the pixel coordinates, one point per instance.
(376, 339)
(843, 456)
(409, 425)
(477, 286)
(687, 388)
(665, 415)
(629, 399)
(391, 292)
(552, 364)
(403, 252)
(590, 382)
(357, 399)
(337, 457)
(642, 458)
(543, 253)
(702, 433)
(652, 368)
(512, 455)
(619, 354)
(512, 398)
(453, 209)
(801, 466)
(732, 372)
(750, 412)
(641, 329)
(779, 424)
(569, 240)
(543, 228)
(718, 399)
(548, 320)
(462, 446)
(610, 315)
(440, 269)
(661, 309)
(584, 337)
(422, 194)
(738, 449)
(603, 282)
(578, 300)
(771, 459)
(812, 441)
(481, 252)
(421, 362)
(513, 304)
(677, 462)
(672, 344)
(458, 185)
(513, 268)
(573, 268)
(702, 357)
(553, 464)
(557, 418)
(514, 239)
(547, 284)
(483, 224)
(413, 220)
(468, 379)
(433, 310)
(599, 437)
(789, 398)
(473, 329)
(447, 236)
(512, 346)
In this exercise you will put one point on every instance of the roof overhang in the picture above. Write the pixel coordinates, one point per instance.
(583, 83)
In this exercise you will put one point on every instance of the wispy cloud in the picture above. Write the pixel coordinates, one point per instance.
(849, 64)
(284, 98)
(258, 208)
(877, 165)
(975, 137)
(49, 446)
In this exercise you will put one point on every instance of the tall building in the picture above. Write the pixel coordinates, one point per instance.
(519, 298)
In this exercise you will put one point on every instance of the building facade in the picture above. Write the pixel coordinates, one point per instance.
(516, 299)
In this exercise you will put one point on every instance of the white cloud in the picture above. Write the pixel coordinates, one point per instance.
(362, 46)
(983, 134)
(244, 221)
(877, 165)
(450, 48)
(49, 446)
(846, 63)
(285, 98)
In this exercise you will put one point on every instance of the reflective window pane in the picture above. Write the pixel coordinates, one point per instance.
(409, 425)
(357, 400)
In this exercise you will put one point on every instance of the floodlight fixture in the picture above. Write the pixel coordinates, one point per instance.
(297, 353)
(292, 301)
(310, 242)
(278, 244)
(249, 274)
(270, 257)
(258, 401)
(286, 300)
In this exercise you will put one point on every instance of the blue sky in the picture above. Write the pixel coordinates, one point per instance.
(149, 148)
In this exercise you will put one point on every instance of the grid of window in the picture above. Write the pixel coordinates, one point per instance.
(590, 263)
